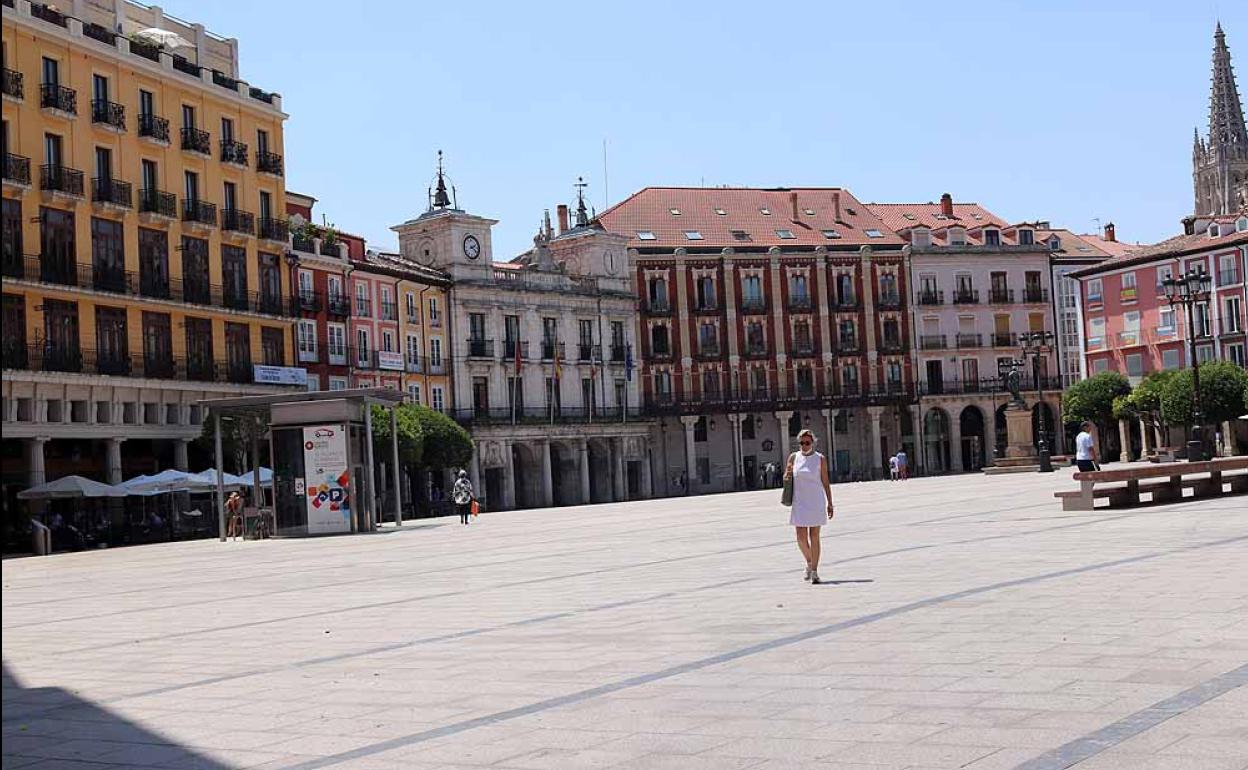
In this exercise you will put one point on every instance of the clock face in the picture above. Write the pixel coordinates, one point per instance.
(611, 262)
(472, 247)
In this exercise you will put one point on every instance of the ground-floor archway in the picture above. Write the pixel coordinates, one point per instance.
(972, 453)
(936, 441)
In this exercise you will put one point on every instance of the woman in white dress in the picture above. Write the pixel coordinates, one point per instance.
(812, 497)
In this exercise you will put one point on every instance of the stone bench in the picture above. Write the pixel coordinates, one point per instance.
(1122, 486)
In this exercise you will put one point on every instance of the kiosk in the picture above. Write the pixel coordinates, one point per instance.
(321, 452)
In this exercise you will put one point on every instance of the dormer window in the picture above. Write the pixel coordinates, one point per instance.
(957, 236)
(1054, 243)
(674, 212)
(921, 237)
(645, 235)
(1213, 230)
(1241, 225)
(1026, 237)
(992, 237)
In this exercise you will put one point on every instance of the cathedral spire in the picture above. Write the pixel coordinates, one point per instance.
(1226, 115)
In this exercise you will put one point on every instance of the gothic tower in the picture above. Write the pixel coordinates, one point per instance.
(1220, 161)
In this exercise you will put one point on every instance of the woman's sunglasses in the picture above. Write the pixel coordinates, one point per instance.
(805, 443)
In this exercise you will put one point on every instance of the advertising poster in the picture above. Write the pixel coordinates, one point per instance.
(326, 479)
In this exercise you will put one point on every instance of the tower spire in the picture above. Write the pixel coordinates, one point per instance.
(441, 199)
(582, 215)
(1227, 134)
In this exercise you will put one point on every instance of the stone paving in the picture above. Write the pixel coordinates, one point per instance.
(967, 622)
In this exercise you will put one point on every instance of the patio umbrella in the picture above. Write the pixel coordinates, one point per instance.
(169, 480)
(162, 37)
(266, 476)
(206, 480)
(67, 487)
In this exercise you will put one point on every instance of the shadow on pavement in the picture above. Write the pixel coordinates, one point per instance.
(80, 734)
(844, 582)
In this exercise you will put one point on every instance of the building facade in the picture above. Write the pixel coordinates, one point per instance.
(1131, 328)
(144, 241)
(1220, 159)
(764, 312)
(978, 285)
(320, 303)
(422, 297)
(540, 353)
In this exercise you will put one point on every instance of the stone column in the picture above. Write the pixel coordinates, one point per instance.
(509, 478)
(1230, 443)
(582, 451)
(916, 457)
(691, 457)
(783, 445)
(180, 461)
(1145, 444)
(955, 442)
(875, 413)
(1124, 440)
(113, 463)
(546, 487)
(647, 489)
(738, 459)
(474, 475)
(617, 470)
(36, 470)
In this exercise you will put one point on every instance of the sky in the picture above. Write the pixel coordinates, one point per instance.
(1075, 112)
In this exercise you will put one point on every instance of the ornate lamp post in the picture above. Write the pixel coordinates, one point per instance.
(1036, 345)
(1189, 290)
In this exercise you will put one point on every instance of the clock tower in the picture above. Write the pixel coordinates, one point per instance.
(445, 237)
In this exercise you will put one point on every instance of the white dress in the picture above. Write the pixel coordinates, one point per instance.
(810, 504)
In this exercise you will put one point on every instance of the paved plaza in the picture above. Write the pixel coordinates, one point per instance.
(966, 622)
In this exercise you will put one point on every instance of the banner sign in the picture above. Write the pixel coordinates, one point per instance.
(388, 359)
(280, 375)
(327, 479)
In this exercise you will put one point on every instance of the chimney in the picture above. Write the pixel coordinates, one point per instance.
(836, 204)
(793, 205)
(946, 205)
(1109, 232)
(562, 210)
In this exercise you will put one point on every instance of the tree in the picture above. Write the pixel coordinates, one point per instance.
(428, 439)
(1092, 400)
(237, 432)
(411, 438)
(1222, 393)
(1146, 399)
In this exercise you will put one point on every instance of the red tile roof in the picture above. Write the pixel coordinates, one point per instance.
(1178, 246)
(903, 216)
(650, 210)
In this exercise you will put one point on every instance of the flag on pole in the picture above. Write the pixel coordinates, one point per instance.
(558, 363)
(628, 364)
(519, 357)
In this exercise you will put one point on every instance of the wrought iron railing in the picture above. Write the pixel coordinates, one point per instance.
(196, 140)
(16, 168)
(112, 191)
(154, 127)
(108, 113)
(61, 178)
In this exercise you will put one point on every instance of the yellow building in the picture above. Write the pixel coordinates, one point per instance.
(423, 328)
(144, 263)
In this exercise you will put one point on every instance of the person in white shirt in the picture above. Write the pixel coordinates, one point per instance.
(1084, 457)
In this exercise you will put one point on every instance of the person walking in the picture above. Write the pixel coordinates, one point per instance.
(234, 515)
(463, 496)
(812, 496)
(1084, 445)
(903, 465)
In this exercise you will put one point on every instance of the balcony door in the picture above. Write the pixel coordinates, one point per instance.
(270, 283)
(108, 256)
(57, 256)
(158, 344)
(111, 343)
(970, 372)
(52, 150)
(61, 350)
(234, 276)
(935, 376)
(199, 355)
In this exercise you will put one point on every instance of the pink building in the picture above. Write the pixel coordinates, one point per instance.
(1130, 327)
(375, 353)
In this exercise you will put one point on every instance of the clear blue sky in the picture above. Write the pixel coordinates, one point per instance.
(1036, 110)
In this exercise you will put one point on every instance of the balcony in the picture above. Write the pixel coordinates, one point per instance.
(338, 306)
(411, 363)
(61, 179)
(512, 347)
(58, 98)
(551, 350)
(158, 202)
(1096, 343)
(145, 50)
(182, 64)
(363, 307)
(931, 298)
(272, 229)
(846, 305)
(17, 169)
(269, 163)
(538, 415)
(225, 81)
(109, 114)
(1229, 277)
(14, 85)
(1166, 332)
(389, 311)
(1128, 294)
(1034, 296)
(892, 345)
(889, 301)
(753, 306)
(1001, 296)
(14, 355)
(588, 352)
(968, 340)
(706, 307)
(112, 192)
(620, 353)
(932, 342)
(154, 127)
(199, 212)
(480, 348)
(661, 352)
(233, 152)
(1129, 338)
(848, 347)
(240, 372)
(966, 297)
(195, 140)
(1004, 340)
(986, 386)
(800, 303)
(306, 302)
(270, 304)
(238, 221)
(47, 357)
(47, 13)
(658, 307)
(99, 32)
(153, 283)
(756, 351)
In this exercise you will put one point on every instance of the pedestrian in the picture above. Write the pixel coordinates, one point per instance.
(1084, 457)
(903, 465)
(463, 496)
(892, 468)
(234, 515)
(812, 496)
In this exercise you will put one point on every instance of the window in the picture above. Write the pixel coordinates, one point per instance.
(111, 343)
(1165, 321)
(699, 430)
(785, 234)
(752, 286)
(1135, 365)
(1232, 315)
(1128, 281)
(1164, 273)
(153, 263)
(765, 211)
(1235, 353)
(190, 186)
(413, 392)
(410, 302)
(435, 351)
(720, 212)
(957, 236)
(413, 351)
(108, 256)
(227, 130)
(314, 383)
(1171, 358)
(262, 141)
(1100, 365)
(849, 379)
(337, 383)
(230, 196)
(158, 344)
(103, 164)
(335, 288)
(831, 234)
(992, 237)
(188, 116)
(52, 149)
(675, 212)
(1094, 290)
(1096, 333)
(1026, 237)
(434, 319)
(873, 233)
(645, 235)
(336, 341)
(439, 402)
(266, 205)
(740, 235)
(693, 235)
(361, 347)
(387, 340)
(361, 299)
(51, 72)
(747, 428)
(273, 346)
(234, 276)
(306, 333)
(149, 177)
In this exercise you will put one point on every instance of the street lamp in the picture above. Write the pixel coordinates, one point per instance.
(1189, 290)
(1036, 345)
